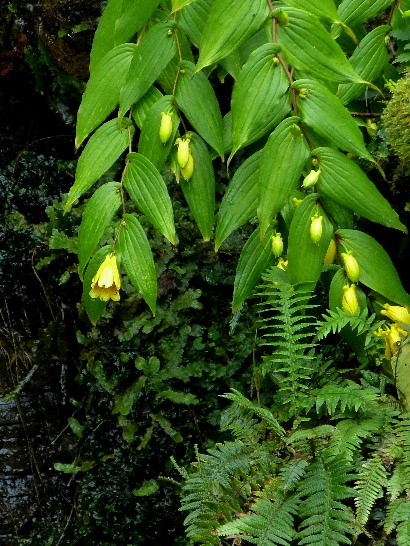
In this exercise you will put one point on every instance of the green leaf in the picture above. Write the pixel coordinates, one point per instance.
(136, 257)
(127, 397)
(343, 181)
(168, 78)
(192, 19)
(324, 112)
(149, 192)
(100, 153)
(228, 26)
(149, 487)
(143, 106)
(255, 98)
(97, 216)
(369, 60)
(324, 9)
(150, 144)
(282, 162)
(199, 190)
(150, 58)
(401, 366)
(179, 4)
(197, 100)
(376, 268)
(240, 201)
(255, 258)
(119, 22)
(354, 12)
(102, 93)
(309, 47)
(94, 307)
(304, 256)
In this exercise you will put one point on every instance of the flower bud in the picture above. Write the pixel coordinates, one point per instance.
(183, 151)
(296, 202)
(349, 299)
(165, 130)
(188, 170)
(277, 245)
(316, 229)
(351, 266)
(330, 253)
(282, 264)
(396, 313)
(311, 179)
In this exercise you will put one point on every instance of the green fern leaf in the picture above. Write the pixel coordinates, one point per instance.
(349, 434)
(369, 487)
(346, 395)
(398, 517)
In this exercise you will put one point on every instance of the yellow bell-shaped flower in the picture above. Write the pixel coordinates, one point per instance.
(396, 313)
(106, 283)
(349, 299)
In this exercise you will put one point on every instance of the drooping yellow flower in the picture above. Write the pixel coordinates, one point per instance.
(106, 283)
(316, 228)
(165, 130)
(277, 245)
(282, 264)
(351, 266)
(349, 299)
(330, 252)
(394, 336)
(396, 313)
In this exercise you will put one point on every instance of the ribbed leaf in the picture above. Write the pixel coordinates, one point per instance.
(136, 257)
(304, 256)
(142, 107)
(97, 216)
(102, 93)
(199, 190)
(192, 19)
(368, 59)
(354, 12)
(282, 162)
(324, 9)
(119, 22)
(324, 112)
(308, 46)
(196, 98)
(179, 4)
(343, 181)
(228, 26)
(149, 192)
(261, 84)
(240, 201)
(100, 153)
(150, 144)
(150, 58)
(255, 258)
(376, 268)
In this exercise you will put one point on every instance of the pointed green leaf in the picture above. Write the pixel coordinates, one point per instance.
(100, 153)
(261, 84)
(306, 257)
(343, 181)
(369, 60)
(150, 144)
(282, 162)
(324, 9)
(354, 12)
(94, 307)
(196, 98)
(102, 93)
(340, 215)
(119, 22)
(150, 58)
(376, 268)
(308, 46)
(324, 112)
(169, 76)
(136, 257)
(142, 107)
(199, 190)
(97, 216)
(228, 26)
(255, 258)
(149, 192)
(179, 4)
(240, 201)
(192, 19)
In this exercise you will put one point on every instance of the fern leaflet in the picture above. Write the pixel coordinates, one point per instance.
(369, 487)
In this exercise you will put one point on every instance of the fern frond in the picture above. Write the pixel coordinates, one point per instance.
(307, 440)
(349, 434)
(398, 517)
(369, 486)
(210, 493)
(336, 320)
(287, 330)
(292, 473)
(326, 520)
(345, 395)
(269, 524)
(264, 414)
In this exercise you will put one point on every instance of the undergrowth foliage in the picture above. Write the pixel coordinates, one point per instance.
(281, 99)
